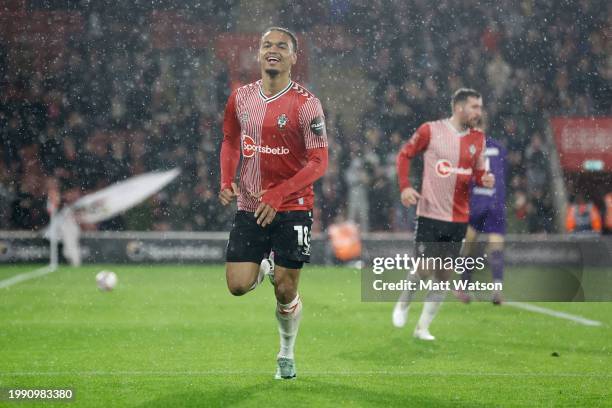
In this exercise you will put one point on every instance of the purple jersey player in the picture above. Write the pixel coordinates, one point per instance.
(488, 205)
(488, 215)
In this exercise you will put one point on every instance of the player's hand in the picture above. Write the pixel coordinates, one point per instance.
(265, 213)
(488, 180)
(227, 196)
(409, 196)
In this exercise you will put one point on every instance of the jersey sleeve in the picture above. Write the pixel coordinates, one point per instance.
(312, 123)
(315, 168)
(230, 147)
(417, 143)
(481, 159)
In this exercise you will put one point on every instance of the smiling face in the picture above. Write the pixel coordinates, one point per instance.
(276, 53)
(469, 112)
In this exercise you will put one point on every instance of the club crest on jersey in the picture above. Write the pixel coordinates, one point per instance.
(472, 149)
(282, 121)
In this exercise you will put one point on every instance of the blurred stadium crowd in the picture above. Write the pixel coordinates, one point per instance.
(112, 105)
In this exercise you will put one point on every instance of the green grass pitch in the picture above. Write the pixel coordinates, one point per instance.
(171, 336)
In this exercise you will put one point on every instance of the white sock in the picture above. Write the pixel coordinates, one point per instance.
(288, 317)
(406, 296)
(430, 308)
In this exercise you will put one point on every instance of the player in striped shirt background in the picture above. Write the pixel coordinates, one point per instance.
(453, 152)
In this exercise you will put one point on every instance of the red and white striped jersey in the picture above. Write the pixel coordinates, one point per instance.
(451, 159)
(275, 134)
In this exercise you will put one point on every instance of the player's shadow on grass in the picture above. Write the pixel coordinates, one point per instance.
(308, 391)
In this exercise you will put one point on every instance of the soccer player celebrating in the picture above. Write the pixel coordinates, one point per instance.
(488, 216)
(453, 156)
(280, 128)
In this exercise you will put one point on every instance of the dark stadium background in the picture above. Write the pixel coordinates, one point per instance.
(92, 92)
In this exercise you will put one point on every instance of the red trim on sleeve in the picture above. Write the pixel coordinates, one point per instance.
(479, 165)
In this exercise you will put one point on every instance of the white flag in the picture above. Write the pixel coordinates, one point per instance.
(119, 197)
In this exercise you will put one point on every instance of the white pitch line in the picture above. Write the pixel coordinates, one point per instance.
(27, 276)
(303, 373)
(554, 313)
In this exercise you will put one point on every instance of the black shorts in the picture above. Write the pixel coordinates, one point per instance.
(288, 236)
(435, 238)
